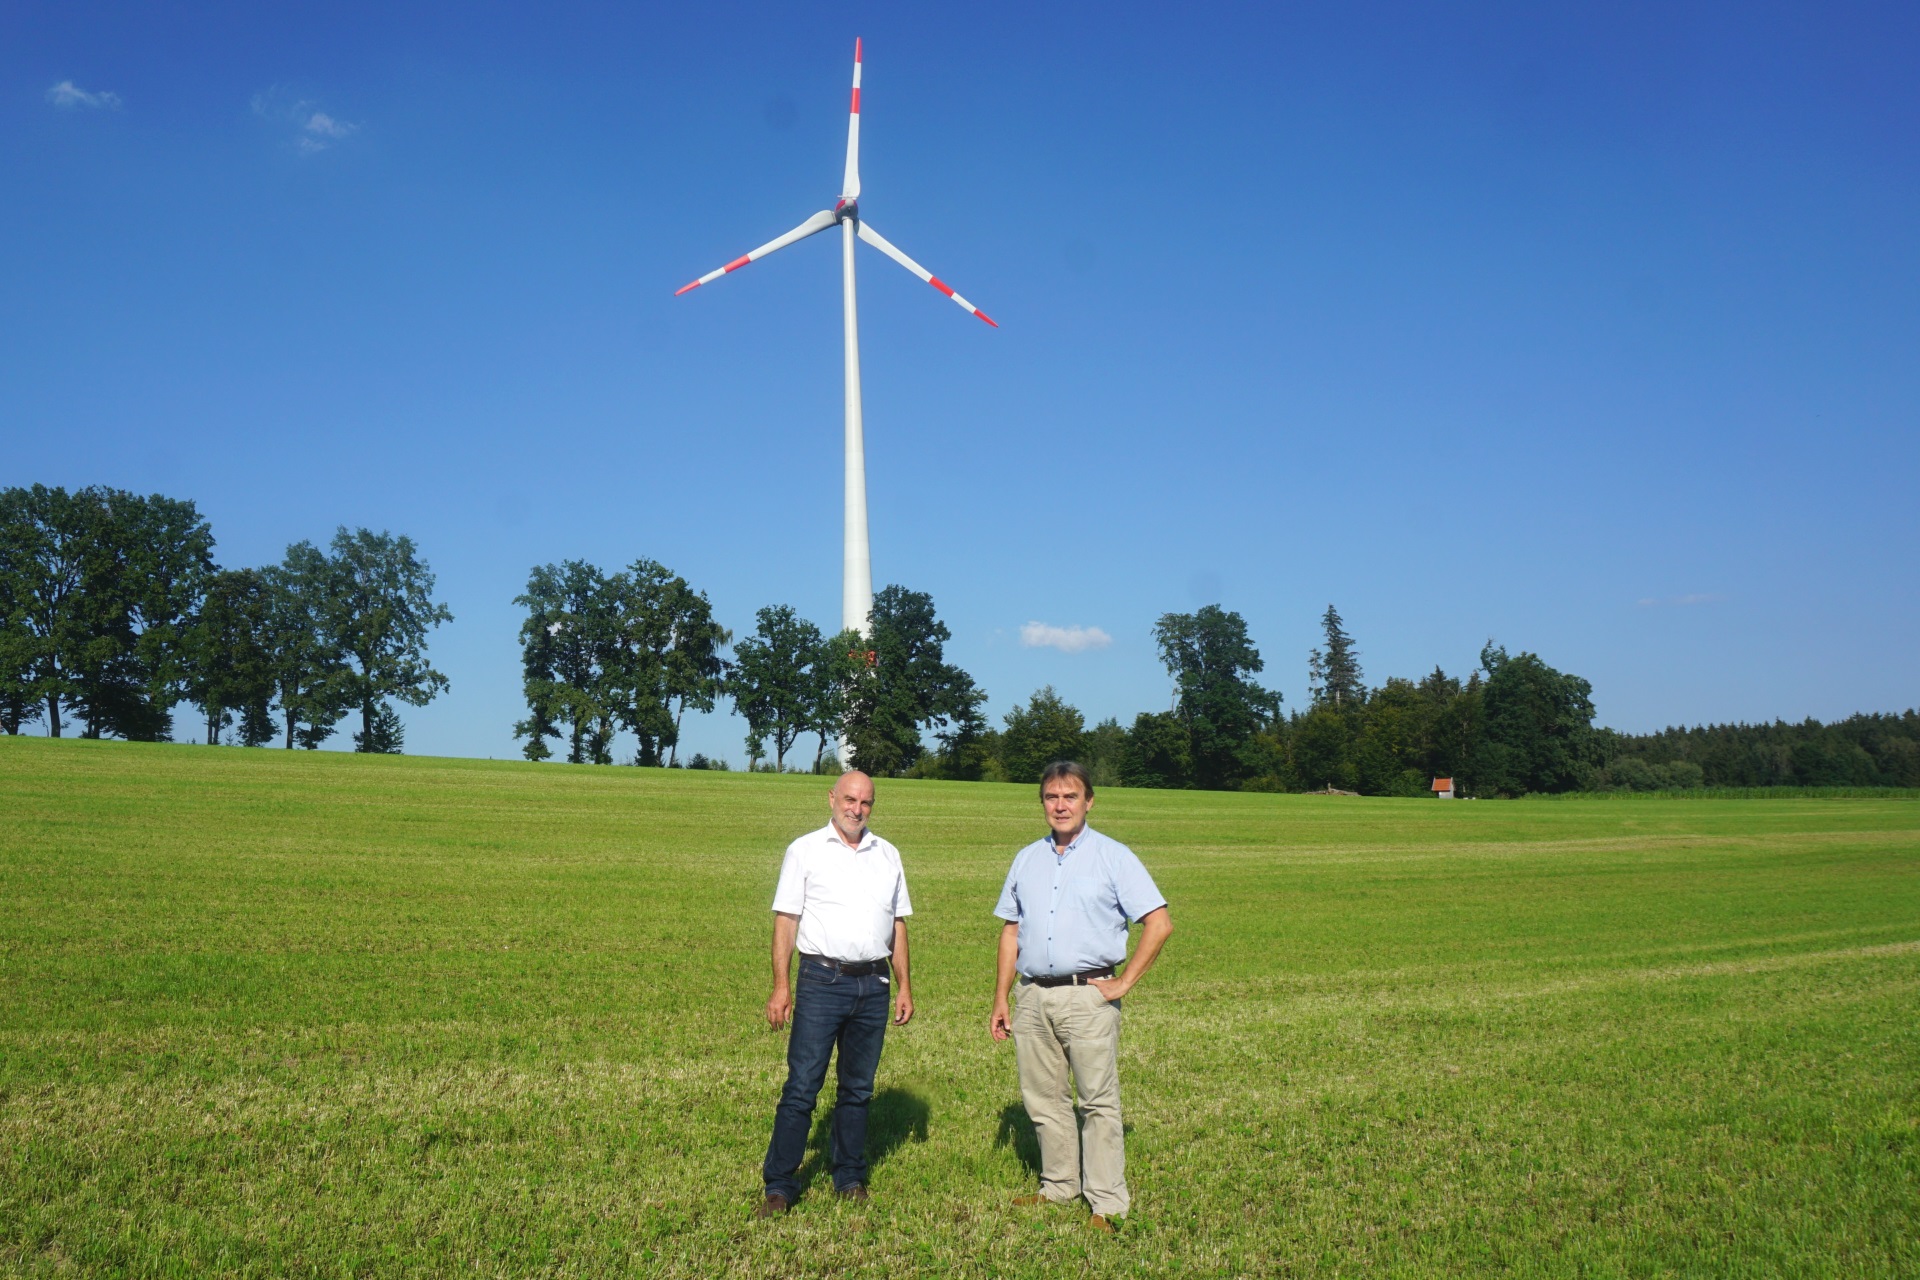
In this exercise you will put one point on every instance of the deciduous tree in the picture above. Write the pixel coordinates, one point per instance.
(1104, 751)
(1159, 752)
(164, 557)
(48, 558)
(566, 645)
(308, 671)
(1389, 753)
(1322, 748)
(97, 588)
(696, 674)
(229, 661)
(643, 600)
(779, 681)
(378, 614)
(909, 687)
(1211, 658)
(1538, 734)
(1044, 730)
(1453, 713)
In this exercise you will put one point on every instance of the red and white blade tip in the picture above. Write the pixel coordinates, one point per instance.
(856, 48)
(892, 250)
(817, 223)
(735, 265)
(947, 289)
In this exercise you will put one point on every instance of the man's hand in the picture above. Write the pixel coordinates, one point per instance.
(786, 929)
(1155, 928)
(1000, 1022)
(902, 974)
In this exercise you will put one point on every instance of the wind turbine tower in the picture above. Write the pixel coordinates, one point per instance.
(856, 590)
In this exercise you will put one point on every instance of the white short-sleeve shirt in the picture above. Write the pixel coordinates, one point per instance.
(847, 898)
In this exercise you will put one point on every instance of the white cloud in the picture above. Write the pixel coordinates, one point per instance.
(327, 127)
(1038, 635)
(68, 94)
(314, 130)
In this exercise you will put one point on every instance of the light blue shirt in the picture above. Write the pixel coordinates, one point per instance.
(1073, 905)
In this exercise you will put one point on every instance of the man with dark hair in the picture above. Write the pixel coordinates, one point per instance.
(842, 902)
(1066, 904)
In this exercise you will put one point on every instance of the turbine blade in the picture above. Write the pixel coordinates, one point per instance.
(817, 223)
(885, 246)
(850, 184)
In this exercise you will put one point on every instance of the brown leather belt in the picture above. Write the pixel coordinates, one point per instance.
(1071, 979)
(850, 968)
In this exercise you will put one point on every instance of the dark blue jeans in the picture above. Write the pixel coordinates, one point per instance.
(829, 1010)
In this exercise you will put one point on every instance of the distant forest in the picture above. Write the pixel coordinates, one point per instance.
(1860, 751)
(113, 612)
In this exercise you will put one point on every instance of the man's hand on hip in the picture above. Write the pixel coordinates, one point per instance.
(779, 1006)
(1110, 989)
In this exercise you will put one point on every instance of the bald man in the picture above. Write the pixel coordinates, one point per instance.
(842, 903)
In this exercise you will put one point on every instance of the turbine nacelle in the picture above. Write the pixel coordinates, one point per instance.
(845, 209)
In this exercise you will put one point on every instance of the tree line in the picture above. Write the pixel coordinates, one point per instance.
(1861, 751)
(634, 649)
(1513, 726)
(113, 612)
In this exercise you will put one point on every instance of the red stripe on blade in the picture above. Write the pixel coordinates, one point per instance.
(941, 285)
(984, 316)
(683, 288)
(736, 264)
(856, 48)
(856, 100)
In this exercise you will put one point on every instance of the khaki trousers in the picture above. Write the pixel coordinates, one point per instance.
(1057, 1030)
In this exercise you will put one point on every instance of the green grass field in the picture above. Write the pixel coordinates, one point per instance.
(269, 1013)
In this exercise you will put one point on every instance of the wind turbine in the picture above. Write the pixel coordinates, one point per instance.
(856, 591)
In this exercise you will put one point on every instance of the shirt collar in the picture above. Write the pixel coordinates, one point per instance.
(866, 838)
(1086, 829)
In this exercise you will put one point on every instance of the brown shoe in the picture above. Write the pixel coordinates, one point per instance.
(1101, 1222)
(854, 1192)
(772, 1207)
(1030, 1201)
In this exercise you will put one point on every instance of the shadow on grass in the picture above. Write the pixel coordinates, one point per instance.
(1016, 1131)
(895, 1117)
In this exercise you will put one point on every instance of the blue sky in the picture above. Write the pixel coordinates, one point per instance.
(1589, 330)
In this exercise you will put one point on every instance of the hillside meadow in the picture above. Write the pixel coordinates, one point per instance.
(311, 1014)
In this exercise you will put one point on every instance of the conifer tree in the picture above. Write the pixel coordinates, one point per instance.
(1334, 672)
